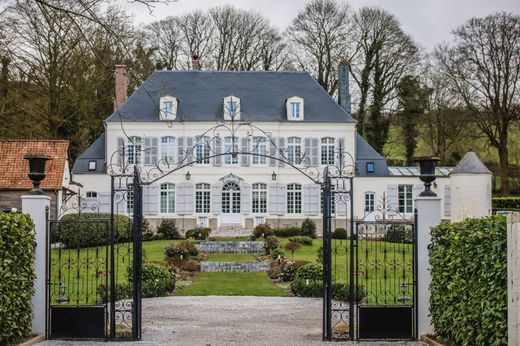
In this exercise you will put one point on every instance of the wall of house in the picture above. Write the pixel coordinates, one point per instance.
(12, 199)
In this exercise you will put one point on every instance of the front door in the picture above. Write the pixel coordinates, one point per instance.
(231, 203)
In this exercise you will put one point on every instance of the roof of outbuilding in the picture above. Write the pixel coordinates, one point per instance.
(95, 152)
(200, 95)
(470, 163)
(13, 175)
(365, 154)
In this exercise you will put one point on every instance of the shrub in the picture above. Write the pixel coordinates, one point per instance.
(339, 233)
(179, 252)
(147, 230)
(199, 233)
(262, 230)
(310, 288)
(319, 255)
(271, 243)
(285, 271)
(123, 291)
(286, 232)
(468, 301)
(277, 252)
(399, 234)
(301, 239)
(309, 228)
(293, 247)
(157, 280)
(191, 266)
(85, 230)
(168, 228)
(17, 276)
(311, 271)
(506, 203)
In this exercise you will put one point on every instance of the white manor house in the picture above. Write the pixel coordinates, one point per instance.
(166, 121)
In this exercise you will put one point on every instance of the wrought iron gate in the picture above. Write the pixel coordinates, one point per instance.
(94, 281)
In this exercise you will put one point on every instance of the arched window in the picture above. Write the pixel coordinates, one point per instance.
(202, 198)
(231, 198)
(327, 151)
(294, 199)
(168, 149)
(134, 150)
(167, 198)
(294, 149)
(202, 149)
(259, 198)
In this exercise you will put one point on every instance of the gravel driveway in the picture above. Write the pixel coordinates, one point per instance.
(232, 321)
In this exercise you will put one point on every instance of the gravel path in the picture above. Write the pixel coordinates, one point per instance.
(232, 321)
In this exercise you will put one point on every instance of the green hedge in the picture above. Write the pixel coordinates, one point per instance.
(468, 301)
(85, 230)
(16, 276)
(313, 288)
(506, 203)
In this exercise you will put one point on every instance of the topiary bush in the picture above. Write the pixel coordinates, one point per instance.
(399, 234)
(157, 280)
(199, 233)
(301, 239)
(286, 232)
(293, 247)
(506, 203)
(16, 276)
(262, 231)
(311, 271)
(339, 233)
(308, 228)
(147, 230)
(168, 228)
(468, 301)
(85, 230)
(275, 253)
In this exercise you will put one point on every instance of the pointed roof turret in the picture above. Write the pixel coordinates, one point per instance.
(470, 164)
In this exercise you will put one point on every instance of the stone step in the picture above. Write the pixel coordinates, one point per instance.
(237, 267)
(230, 226)
(231, 233)
(252, 247)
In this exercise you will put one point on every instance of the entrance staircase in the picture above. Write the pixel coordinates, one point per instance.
(231, 230)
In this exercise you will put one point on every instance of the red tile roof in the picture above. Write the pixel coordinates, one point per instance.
(14, 169)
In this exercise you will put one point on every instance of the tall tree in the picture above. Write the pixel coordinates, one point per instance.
(384, 54)
(483, 64)
(322, 34)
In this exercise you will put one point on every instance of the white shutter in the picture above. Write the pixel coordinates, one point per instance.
(216, 198)
(217, 160)
(311, 199)
(150, 150)
(151, 199)
(189, 149)
(281, 147)
(121, 152)
(245, 198)
(315, 151)
(391, 198)
(272, 204)
(273, 151)
(342, 204)
(447, 200)
(189, 197)
(104, 202)
(179, 199)
(281, 199)
(181, 152)
(245, 149)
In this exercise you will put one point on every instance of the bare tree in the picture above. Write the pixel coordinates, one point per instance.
(165, 37)
(321, 35)
(197, 32)
(483, 64)
(384, 54)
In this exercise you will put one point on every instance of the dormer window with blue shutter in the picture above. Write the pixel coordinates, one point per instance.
(295, 110)
(168, 108)
(231, 108)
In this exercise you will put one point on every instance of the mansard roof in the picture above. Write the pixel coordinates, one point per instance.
(200, 95)
(95, 152)
(365, 154)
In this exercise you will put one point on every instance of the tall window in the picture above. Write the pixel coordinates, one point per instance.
(369, 202)
(167, 198)
(294, 199)
(202, 150)
(168, 149)
(259, 198)
(294, 149)
(130, 198)
(230, 145)
(327, 151)
(134, 150)
(405, 199)
(295, 107)
(202, 198)
(259, 147)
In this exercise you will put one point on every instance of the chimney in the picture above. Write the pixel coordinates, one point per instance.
(121, 86)
(195, 62)
(343, 86)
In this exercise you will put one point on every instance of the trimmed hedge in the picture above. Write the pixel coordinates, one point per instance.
(286, 232)
(301, 239)
(399, 234)
(82, 230)
(198, 233)
(468, 301)
(506, 203)
(313, 288)
(17, 276)
(157, 280)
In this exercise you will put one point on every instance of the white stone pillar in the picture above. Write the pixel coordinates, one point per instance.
(428, 216)
(513, 279)
(36, 206)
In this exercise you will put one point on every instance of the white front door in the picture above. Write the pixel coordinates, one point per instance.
(231, 203)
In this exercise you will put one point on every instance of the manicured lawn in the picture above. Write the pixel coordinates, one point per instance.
(233, 284)
(231, 257)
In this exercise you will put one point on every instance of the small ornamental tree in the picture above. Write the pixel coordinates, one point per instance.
(309, 228)
(293, 247)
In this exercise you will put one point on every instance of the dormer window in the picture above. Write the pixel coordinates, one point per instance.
(231, 108)
(168, 110)
(295, 110)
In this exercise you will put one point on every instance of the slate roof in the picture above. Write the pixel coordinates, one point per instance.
(470, 163)
(403, 171)
(200, 95)
(95, 152)
(13, 175)
(364, 154)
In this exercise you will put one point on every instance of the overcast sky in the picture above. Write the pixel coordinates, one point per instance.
(428, 21)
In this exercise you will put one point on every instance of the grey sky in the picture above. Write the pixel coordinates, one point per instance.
(428, 21)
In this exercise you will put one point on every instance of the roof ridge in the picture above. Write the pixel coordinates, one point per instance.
(229, 71)
(35, 140)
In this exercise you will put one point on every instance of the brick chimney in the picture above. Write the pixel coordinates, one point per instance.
(343, 86)
(121, 86)
(195, 62)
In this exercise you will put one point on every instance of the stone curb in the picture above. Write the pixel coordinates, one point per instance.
(33, 341)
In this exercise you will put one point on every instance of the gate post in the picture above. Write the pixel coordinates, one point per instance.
(428, 216)
(327, 259)
(37, 206)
